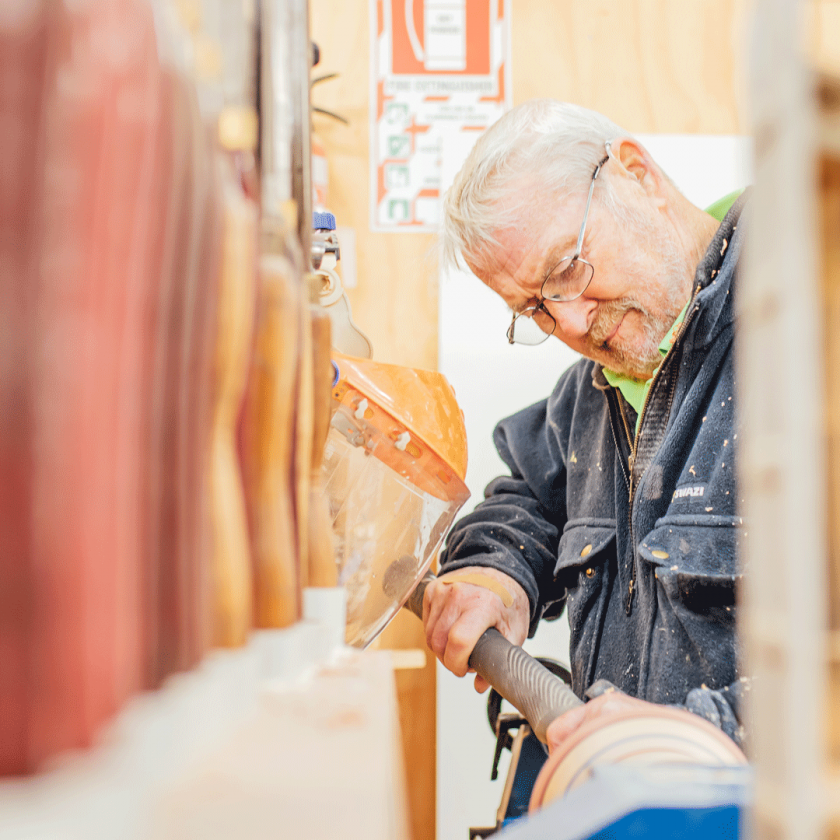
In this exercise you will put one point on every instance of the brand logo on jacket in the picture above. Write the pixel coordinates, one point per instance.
(694, 492)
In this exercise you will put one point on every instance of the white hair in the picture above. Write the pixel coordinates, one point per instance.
(557, 142)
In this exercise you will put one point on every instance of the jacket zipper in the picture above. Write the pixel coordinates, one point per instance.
(633, 448)
(631, 460)
(626, 423)
(624, 469)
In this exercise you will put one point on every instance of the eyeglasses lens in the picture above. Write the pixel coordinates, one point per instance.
(568, 280)
(531, 326)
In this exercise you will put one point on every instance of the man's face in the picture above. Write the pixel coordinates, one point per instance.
(642, 278)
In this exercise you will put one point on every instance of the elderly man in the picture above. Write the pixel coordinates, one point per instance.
(621, 503)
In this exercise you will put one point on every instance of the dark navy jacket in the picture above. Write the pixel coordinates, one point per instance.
(581, 523)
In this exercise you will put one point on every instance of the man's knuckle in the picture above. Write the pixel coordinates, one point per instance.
(464, 636)
(454, 662)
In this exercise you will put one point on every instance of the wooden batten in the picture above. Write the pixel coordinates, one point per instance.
(790, 333)
(829, 248)
(785, 463)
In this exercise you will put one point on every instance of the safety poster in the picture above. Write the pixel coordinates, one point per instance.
(438, 68)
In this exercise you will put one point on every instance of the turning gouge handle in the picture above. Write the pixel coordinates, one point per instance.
(537, 693)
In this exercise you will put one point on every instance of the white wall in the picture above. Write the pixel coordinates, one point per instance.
(491, 380)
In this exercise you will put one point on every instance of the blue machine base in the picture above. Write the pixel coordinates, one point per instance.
(637, 803)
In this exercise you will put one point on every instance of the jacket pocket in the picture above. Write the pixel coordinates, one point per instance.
(691, 565)
(695, 558)
(582, 546)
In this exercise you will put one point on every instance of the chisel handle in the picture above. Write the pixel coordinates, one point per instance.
(537, 693)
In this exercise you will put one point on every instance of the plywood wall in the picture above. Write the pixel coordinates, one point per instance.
(667, 66)
(650, 65)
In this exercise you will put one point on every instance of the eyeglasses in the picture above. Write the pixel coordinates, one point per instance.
(567, 281)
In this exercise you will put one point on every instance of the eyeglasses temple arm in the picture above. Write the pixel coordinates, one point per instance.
(509, 333)
(579, 245)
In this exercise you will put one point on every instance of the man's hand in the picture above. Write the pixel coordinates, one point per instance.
(456, 614)
(601, 709)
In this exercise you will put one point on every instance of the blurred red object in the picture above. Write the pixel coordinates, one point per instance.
(23, 56)
(109, 231)
(184, 345)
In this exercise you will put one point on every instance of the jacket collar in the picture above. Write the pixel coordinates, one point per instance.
(598, 378)
(715, 279)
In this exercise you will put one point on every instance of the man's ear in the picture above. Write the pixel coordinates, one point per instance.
(634, 161)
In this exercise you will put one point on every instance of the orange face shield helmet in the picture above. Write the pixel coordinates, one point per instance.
(394, 466)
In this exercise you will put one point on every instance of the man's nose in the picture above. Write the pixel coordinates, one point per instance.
(573, 317)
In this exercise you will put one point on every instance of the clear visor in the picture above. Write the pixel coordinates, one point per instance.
(388, 523)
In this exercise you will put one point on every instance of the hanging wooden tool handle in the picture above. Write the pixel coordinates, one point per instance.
(302, 431)
(230, 557)
(537, 693)
(269, 455)
(322, 567)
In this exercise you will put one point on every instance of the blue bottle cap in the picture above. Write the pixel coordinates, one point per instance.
(323, 221)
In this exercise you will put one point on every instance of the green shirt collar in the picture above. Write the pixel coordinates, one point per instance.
(635, 390)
